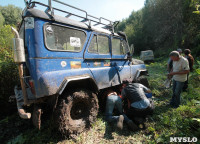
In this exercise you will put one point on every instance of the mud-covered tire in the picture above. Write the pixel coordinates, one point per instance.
(75, 112)
(143, 80)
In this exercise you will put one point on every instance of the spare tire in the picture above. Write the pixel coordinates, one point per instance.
(76, 111)
(143, 80)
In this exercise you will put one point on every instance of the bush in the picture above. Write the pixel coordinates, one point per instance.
(8, 71)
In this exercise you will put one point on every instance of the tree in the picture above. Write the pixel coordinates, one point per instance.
(164, 25)
(5, 37)
(1, 19)
(11, 14)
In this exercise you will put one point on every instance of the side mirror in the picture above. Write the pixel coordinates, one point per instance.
(128, 56)
(132, 49)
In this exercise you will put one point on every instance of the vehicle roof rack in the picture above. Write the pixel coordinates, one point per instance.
(87, 18)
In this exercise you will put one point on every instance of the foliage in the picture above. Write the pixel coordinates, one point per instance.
(5, 41)
(1, 19)
(165, 123)
(164, 26)
(197, 9)
(161, 26)
(8, 70)
(171, 122)
(11, 14)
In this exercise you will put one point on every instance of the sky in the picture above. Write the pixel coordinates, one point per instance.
(109, 9)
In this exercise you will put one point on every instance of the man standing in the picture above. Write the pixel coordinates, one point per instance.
(179, 73)
(190, 59)
(170, 61)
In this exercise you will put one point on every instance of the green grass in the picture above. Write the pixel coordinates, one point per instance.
(165, 123)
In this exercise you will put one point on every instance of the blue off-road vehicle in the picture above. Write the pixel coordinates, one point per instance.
(66, 64)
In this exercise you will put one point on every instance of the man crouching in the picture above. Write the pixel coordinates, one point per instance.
(140, 105)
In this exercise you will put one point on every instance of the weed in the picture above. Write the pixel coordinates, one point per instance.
(165, 123)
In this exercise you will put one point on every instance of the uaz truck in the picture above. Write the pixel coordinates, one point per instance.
(66, 64)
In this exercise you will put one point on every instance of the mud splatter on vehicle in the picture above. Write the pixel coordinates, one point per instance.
(65, 64)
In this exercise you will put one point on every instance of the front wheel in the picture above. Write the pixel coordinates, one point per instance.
(143, 80)
(76, 111)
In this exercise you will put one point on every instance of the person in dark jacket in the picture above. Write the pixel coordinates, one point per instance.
(140, 105)
(190, 59)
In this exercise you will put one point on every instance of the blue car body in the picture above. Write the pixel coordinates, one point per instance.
(52, 70)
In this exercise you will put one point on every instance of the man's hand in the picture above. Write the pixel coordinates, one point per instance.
(178, 73)
(148, 91)
(171, 74)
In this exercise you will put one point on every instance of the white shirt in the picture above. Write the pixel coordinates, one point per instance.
(180, 65)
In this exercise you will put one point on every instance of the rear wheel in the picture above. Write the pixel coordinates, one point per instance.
(76, 111)
(143, 80)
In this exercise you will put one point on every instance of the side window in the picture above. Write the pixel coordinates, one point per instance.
(103, 44)
(99, 44)
(93, 48)
(61, 38)
(117, 47)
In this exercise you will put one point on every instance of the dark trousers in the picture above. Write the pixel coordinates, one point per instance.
(186, 83)
(135, 112)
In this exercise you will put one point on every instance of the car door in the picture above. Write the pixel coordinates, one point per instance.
(97, 56)
(119, 58)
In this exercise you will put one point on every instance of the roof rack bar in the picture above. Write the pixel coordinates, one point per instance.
(49, 3)
(84, 20)
(79, 16)
(35, 2)
(93, 17)
(67, 16)
(71, 6)
(87, 15)
(50, 9)
(26, 3)
(88, 18)
(68, 13)
(106, 20)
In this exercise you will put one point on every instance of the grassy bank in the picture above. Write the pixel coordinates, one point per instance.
(165, 123)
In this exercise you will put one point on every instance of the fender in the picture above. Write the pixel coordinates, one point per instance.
(141, 72)
(76, 78)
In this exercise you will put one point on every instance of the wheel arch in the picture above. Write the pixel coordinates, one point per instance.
(141, 72)
(82, 81)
